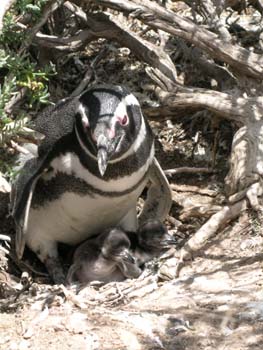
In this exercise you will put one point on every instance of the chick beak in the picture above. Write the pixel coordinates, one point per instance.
(126, 256)
(168, 241)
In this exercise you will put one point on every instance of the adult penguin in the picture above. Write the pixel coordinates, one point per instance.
(86, 175)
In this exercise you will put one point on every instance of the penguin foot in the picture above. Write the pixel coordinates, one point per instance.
(55, 270)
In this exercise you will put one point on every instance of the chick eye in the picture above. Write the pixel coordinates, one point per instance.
(124, 120)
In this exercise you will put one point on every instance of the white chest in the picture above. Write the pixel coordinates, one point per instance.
(73, 217)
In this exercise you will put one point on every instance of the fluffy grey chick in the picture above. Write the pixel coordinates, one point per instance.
(151, 240)
(105, 258)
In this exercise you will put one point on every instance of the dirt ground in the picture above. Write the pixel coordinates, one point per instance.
(216, 303)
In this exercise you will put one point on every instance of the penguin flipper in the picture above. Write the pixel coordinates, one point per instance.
(71, 275)
(54, 122)
(159, 196)
(21, 198)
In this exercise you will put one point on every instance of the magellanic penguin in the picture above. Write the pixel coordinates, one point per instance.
(87, 173)
(105, 258)
(151, 240)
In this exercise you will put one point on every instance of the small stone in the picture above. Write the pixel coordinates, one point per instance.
(24, 345)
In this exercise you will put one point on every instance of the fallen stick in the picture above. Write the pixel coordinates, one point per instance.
(200, 238)
(208, 230)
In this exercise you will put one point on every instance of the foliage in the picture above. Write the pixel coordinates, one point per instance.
(19, 71)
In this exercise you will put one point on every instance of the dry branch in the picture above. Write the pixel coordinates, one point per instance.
(199, 211)
(188, 170)
(49, 7)
(207, 66)
(239, 109)
(102, 26)
(16, 98)
(65, 44)
(211, 10)
(195, 189)
(200, 238)
(155, 16)
(107, 27)
(217, 102)
(111, 28)
(246, 161)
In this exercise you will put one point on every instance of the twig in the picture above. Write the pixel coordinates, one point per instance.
(203, 211)
(84, 82)
(4, 250)
(88, 75)
(77, 10)
(101, 25)
(18, 263)
(18, 148)
(157, 17)
(76, 299)
(200, 238)
(129, 289)
(4, 187)
(19, 95)
(172, 267)
(49, 7)
(188, 170)
(195, 189)
(224, 105)
(68, 44)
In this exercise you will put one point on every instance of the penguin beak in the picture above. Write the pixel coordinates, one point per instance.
(102, 155)
(106, 143)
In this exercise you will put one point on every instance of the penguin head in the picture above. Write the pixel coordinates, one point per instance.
(109, 122)
(116, 247)
(153, 235)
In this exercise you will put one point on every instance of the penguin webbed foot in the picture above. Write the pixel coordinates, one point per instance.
(55, 270)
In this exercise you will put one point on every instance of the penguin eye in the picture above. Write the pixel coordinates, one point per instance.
(124, 120)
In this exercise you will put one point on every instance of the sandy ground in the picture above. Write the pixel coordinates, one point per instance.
(217, 303)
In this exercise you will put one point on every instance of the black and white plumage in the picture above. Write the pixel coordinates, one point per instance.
(151, 240)
(87, 173)
(105, 258)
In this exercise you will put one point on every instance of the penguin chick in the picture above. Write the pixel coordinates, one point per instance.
(105, 258)
(151, 240)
